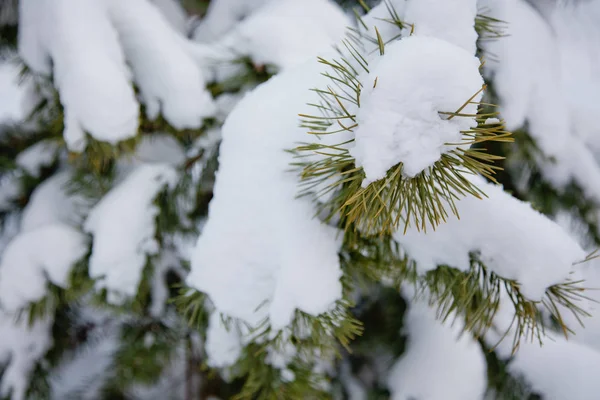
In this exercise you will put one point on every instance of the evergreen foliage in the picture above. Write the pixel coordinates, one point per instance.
(154, 344)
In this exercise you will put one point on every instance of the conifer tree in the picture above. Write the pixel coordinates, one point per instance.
(284, 199)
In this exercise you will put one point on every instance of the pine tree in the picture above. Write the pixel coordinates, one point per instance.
(285, 199)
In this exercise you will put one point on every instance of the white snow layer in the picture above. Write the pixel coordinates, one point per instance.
(223, 344)
(222, 15)
(558, 101)
(21, 346)
(11, 94)
(87, 44)
(123, 229)
(23, 271)
(541, 253)
(439, 363)
(285, 33)
(379, 16)
(46, 226)
(40, 155)
(76, 42)
(452, 21)
(50, 204)
(398, 119)
(261, 253)
(174, 12)
(168, 78)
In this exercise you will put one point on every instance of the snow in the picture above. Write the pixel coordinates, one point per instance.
(77, 39)
(285, 33)
(11, 94)
(38, 156)
(21, 346)
(158, 148)
(261, 253)
(223, 15)
(395, 127)
(46, 226)
(169, 79)
(541, 253)
(556, 102)
(10, 189)
(223, 346)
(379, 16)
(439, 363)
(50, 203)
(557, 369)
(560, 369)
(123, 229)
(174, 13)
(23, 272)
(453, 21)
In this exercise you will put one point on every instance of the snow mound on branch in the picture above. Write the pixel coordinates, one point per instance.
(557, 102)
(86, 46)
(38, 156)
(398, 119)
(50, 203)
(21, 347)
(11, 101)
(47, 252)
(513, 240)
(438, 363)
(76, 42)
(174, 13)
(223, 345)
(285, 33)
(558, 369)
(453, 21)
(261, 253)
(561, 369)
(223, 15)
(123, 229)
(169, 79)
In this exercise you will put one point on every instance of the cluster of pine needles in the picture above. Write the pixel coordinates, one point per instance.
(329, 171)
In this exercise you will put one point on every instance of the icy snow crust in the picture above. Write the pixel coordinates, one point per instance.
(261, 253)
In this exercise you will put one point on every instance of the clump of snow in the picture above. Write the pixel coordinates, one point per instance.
(452, 21)
(123, 229)
(223, 344)
(166, 74)
(173, 12)
(223, 15)
(50, 203)
(379, 16)
(556, 102)
(12, 94)
(398, 119)
(439, 362)
(23, 272)
(159, 148)
(76, 42)
(559, 369)
(38, 156)
(285, 33)
(22, 345)
(540, 253)
(261, 253)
